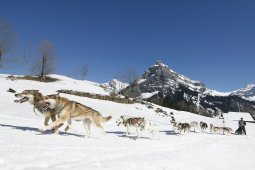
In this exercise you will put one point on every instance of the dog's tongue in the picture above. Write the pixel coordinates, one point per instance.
(21, 100)
(45, 105)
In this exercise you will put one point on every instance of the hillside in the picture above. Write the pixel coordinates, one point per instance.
(161, 85)
(24, 147)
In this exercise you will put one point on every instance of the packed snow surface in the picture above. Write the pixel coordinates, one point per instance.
(23, 147)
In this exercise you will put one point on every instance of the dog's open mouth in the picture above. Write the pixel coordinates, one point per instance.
(22, 100)
(45, 105)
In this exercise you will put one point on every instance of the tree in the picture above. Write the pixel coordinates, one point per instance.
(84, 71)
(128, 76)
(7, 40)
(46, 63)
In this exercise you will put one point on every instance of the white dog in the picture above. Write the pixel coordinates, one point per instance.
(194, 125)
(151, 128)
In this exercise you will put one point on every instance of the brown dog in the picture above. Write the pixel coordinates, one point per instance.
(68, 110)
(34, 97)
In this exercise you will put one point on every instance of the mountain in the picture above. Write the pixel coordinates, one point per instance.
(248, 92)
(114, 86)
(161, 85)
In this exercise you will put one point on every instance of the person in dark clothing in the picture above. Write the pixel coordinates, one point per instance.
(242, 124)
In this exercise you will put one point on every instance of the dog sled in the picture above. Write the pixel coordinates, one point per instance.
(238, 131)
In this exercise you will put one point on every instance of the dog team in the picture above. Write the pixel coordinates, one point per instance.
(186, 127)
(60, 110)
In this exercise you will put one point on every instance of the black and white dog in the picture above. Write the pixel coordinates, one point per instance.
(203, 126)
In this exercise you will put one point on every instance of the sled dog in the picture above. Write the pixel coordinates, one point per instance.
(216, 129)
(228, 130)
(194, 124)
(185, 127)
(221, 129)
(203, 126)
(151, 128)
(68, 109)
(173, 123)
(34, 97)
(128, 122)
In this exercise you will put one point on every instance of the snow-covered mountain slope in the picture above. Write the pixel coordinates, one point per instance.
(161, 85)
(248, 92)
(114, 86)
(23, 147)
(63, 83)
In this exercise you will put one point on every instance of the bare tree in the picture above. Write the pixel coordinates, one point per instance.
(46, 63)
(7, 40)
(84, 71)
(128, 76)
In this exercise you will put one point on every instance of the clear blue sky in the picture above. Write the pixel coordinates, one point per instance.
(208, 40)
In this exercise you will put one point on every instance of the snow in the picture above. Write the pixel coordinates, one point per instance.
(114, 86)
(216, 93)
(247, 92)
(23, 147)
(148, 95)
(141, 81)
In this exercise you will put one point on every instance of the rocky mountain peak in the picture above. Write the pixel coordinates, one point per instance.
(159, 70)
(161, 75)
(161, 85)
(247, 92)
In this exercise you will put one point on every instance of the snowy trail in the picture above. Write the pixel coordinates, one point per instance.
(24, 148)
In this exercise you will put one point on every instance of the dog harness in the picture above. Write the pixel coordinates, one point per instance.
(134, 121)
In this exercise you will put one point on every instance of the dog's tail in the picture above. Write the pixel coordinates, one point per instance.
(105, 119)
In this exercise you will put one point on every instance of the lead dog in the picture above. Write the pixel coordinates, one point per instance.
(34, 97)
(68, 110)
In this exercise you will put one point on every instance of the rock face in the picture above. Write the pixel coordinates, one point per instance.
(161, 85)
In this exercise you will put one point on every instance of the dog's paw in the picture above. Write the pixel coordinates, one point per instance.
(43, 128)
(40, 129)
(56, 132)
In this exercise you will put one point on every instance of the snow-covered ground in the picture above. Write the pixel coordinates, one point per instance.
(24, 147)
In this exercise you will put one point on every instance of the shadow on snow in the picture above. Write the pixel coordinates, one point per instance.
(25, 128)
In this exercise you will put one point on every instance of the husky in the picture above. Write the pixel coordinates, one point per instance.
(185, 127)
(220, 129)
(228, 130)
(211, 127)
(151, 128)
(68, 110)
(34, 97)
(215, 129)
(194, 124)
(128, 122)
(203, 126)
(173, 123)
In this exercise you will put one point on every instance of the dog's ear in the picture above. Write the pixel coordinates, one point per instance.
(35, 91)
